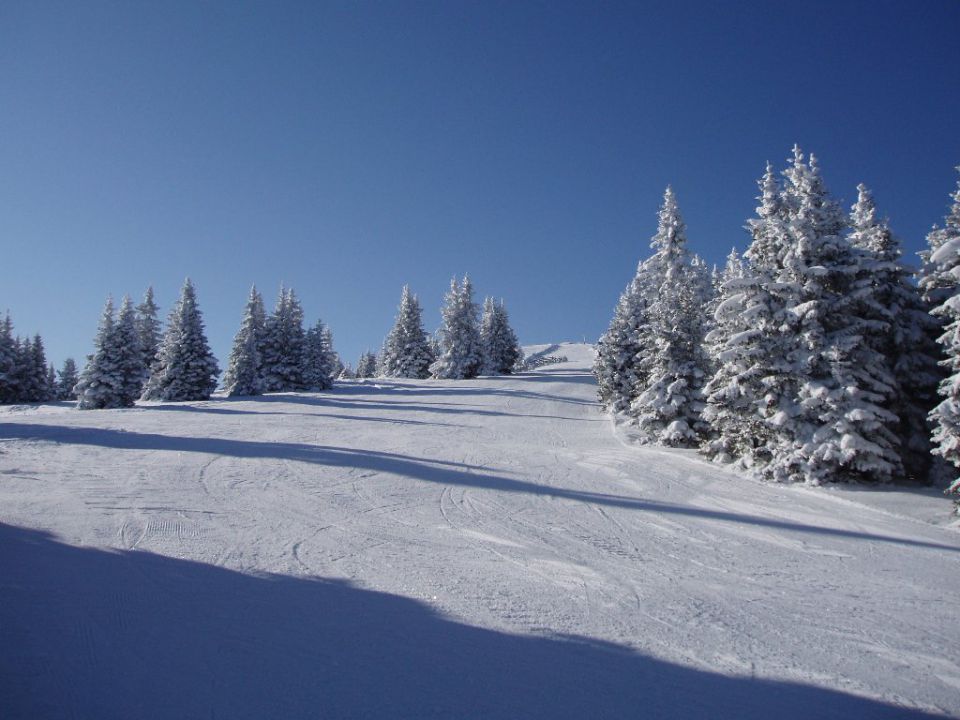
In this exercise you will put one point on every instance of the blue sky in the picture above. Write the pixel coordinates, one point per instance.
(345, 149)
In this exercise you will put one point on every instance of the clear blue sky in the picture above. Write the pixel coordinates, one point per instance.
(348, 148)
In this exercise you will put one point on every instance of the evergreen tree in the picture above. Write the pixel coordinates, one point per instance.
(346, 372)
(67, 380)
(8, 361)
(617, 365)
(902, 330)
(282, 354)
(406, 350)
(459, 336)
(244, 368)
(35, 387)
(838, 428)
(185, 368)
(99, 383)
(51, 382)
(667, 407)
(367, 365)
(500, 347)
(148, 330)
(320, 360)
(129, 355)
(945, 256)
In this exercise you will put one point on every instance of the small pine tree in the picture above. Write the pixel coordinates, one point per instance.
(617, 366)
(185, 368)
(367, 365)
(129, 355)
(148, 330)
(244, 368)
(8, 361)
(407, 352)
(500, 347)
(320, 360)
(67, 380)
(99, 383)
(346, 372)
(282, 354)
(459, 336)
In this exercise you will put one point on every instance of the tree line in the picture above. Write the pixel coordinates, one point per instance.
(136, 358)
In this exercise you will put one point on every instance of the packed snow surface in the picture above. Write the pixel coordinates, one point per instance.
(490, 548)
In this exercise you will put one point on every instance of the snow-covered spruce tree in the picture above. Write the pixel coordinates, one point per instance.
(367, 365)
(499, 345)
(460, 356)
(67, 379)
(667, 407)
(282, 351)
(320, 360)
(838, 429)
(51, 382)
(902, 330)
(148, 329)
(34, 385)
(617, 365)
(8, 361)
(185, 368)
(734, 393)
(945, 256)
(129, 355)
(346, 372)
(99, 383)
(406, 351)
(244, 368)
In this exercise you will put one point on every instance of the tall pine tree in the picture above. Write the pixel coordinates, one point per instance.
(185, 368)
(244, 368)
(406, 350)
(460, 356)
(667, 407)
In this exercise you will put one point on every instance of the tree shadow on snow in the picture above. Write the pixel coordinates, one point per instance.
(426, 469)
(91, 633)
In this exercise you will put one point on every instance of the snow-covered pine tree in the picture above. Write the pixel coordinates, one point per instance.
(945, 256)
(499, 345)
(8, 361)
(667, 407)
(185, 368)
(51, 382)
(148, 330)
(903, 331)
(460, 356)
(733, 395)
(838, 429)
(35, 387)
(367, 365)
(129, 355)
(617, 365)
(346, 372)
(407, 352)
(99, 383)
(282, 350)
(67, 379)
(320, 359)
(244, 368)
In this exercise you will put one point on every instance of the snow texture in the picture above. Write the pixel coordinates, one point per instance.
(435, 549)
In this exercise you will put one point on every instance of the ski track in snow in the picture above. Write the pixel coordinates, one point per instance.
(488, 548)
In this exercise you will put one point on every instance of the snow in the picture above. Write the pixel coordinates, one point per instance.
(426, 548)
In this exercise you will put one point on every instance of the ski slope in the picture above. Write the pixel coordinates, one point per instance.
(435, 549)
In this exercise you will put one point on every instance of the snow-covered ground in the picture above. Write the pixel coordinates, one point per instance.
(415, 549)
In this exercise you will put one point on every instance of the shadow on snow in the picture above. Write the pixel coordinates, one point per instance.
(92, 633)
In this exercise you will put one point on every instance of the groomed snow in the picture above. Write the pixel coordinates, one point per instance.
(412, 549)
